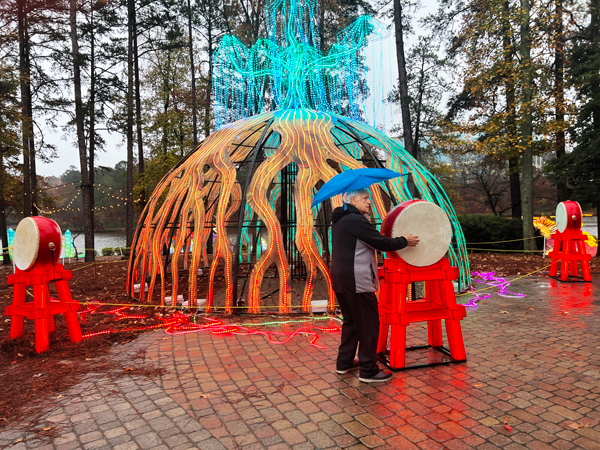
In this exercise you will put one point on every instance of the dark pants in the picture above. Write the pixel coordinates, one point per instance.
(360, 326)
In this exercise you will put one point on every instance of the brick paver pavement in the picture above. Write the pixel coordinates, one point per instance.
(533, 363)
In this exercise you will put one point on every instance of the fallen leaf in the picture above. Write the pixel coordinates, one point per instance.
(129, 369)
(18, 440)
(503, 312)
(485, 303)
(531, 309)
(47, 428)
(18, 354)
(502, 306)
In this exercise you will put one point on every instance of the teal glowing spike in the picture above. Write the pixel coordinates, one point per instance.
(287, 70)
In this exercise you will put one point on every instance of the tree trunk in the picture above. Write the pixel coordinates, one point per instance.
(511, 113)
(32, 166)
(25, 79)
(559, 94)
(515, 188)
(527, 129)
(402, 79)
(193, 75)
(207, 106)
(3, 230)
(129, 194)
(92, 119)
(321, 4)
(415, 151)
(86, 191)
(138, 107)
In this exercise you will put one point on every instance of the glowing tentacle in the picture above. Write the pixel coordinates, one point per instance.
(226, 170)
(257, 199)
(197, 247)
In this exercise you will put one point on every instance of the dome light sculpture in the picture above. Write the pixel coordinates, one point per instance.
(258, 173)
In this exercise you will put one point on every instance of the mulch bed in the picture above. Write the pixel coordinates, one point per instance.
(30, 382)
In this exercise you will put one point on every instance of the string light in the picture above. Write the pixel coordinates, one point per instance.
(179, 323)
(490, 279)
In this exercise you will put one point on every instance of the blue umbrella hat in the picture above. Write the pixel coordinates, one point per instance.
(352, 180)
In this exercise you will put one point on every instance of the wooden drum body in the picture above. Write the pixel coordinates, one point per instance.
(423, 219)
(37, 242)
(568, 216)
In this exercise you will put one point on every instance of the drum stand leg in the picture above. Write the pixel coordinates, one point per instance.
(398, 349)
(455, 341)
(17, 320)
(41, 295)
(434, 331)
(51, 327)
(554, 267)
(64, 294)
(398, 338)
(383, 326)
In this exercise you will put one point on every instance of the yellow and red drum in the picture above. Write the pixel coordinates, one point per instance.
(426, 220)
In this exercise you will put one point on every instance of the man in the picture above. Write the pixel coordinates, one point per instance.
(354, 278)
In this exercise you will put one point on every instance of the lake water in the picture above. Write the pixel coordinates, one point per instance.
(102, 240)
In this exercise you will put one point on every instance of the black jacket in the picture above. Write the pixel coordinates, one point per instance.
(354, 260)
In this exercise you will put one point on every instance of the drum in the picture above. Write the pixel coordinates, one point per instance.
(426, 220)
(37, 242)
(568, 216)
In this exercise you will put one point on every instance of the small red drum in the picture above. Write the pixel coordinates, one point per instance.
(37, 242)
(568, 216)
(426, 220)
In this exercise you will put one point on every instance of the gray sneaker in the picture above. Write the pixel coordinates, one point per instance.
(355, 366)
(381, 376)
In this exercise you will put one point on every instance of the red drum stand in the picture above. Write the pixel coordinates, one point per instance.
(569, 247)
(42, 308)
(438, 303)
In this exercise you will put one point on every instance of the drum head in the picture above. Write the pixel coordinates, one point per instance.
(561, 217)
(26, 244)
(431, 224)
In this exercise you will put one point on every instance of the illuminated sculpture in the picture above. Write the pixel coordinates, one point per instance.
(258, 175)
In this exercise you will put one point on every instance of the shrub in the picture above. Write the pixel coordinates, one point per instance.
(108, 251)
(489, 228)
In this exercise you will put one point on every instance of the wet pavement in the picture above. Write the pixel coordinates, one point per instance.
(532, 380)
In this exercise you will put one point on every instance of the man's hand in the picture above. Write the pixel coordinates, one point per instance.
(412, 240)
